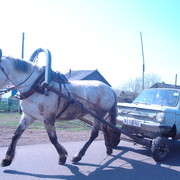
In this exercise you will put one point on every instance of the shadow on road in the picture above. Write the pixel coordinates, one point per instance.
(129, 169)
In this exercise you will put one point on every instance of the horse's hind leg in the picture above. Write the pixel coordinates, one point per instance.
(94, 134)
(107, 131)
(50, 128)
(24, 123)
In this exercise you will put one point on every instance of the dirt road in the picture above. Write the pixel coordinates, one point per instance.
(39, 136)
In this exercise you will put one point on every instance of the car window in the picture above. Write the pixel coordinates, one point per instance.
(159, 97)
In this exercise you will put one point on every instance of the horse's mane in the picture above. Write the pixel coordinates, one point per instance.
(25, 66)
(20, 65)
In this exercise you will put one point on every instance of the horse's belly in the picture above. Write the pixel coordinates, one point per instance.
(71, 112)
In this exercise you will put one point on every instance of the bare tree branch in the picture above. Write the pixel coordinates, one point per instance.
(135, 85)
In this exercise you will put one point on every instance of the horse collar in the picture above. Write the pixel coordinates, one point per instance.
(34, 88)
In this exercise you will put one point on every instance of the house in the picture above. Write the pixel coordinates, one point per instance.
(86, 75)
(8, 94)
(126, 97)
(164, 85)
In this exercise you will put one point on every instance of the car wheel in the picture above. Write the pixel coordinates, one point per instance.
(116, 139)
(160, 148)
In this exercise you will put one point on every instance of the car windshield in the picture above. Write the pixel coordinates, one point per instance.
(164, 97)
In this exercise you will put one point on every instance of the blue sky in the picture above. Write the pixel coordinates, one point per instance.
(97, 34)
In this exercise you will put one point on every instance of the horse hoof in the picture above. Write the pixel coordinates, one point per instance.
(62, 159)
(76, 159)
(109, 151)
(5, 162)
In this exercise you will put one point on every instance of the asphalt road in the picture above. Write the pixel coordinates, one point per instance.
(127, 162)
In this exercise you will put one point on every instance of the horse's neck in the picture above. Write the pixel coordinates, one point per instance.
(24, 81)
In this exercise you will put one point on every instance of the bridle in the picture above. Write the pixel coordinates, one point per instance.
(2, 69)
(16, 86)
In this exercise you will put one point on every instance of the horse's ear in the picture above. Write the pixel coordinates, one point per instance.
(0, 53)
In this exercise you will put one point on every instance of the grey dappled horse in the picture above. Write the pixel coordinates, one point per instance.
(66, 100)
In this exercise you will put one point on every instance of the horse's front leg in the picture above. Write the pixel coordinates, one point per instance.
(26, 120)
(50, 128)
(93, 136)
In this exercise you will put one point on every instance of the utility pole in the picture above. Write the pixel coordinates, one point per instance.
(176, 80)
(22, 53)
(143, 68)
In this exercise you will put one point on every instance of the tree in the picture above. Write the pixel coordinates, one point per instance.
(135, 85)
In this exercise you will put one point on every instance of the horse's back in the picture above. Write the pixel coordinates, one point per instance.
(93, 91)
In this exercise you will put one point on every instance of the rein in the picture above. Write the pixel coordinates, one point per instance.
(16, 86)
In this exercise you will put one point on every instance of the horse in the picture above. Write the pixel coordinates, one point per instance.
(60, 100)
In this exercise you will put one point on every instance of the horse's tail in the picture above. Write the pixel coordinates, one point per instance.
(113, 111)
(113, 119)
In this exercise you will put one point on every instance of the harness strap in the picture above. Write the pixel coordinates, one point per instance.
(67, 97)
(60, 94)
(34, 88)
(64, 109)
(71, 101)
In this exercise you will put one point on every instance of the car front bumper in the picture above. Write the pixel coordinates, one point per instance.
(148, 129)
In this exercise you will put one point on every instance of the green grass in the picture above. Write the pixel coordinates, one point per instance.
(9, 119)
(12, 120)
(73, 125)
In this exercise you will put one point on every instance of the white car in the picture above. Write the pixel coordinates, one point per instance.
(154, 117)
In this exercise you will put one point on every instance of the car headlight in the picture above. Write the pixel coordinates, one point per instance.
(160, 117)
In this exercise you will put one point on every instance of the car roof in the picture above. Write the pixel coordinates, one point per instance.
(164, 89)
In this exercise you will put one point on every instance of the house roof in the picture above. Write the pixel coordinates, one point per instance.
(79, 74)
(86, 75)
(163, 85)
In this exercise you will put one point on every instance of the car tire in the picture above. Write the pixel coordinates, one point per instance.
(160, 148)
(116, 138)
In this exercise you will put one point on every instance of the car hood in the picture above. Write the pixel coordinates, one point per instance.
(141, 106)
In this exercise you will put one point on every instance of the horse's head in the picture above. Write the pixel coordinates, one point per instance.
(3, 75)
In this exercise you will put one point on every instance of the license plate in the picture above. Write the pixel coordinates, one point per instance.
(132, 122)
